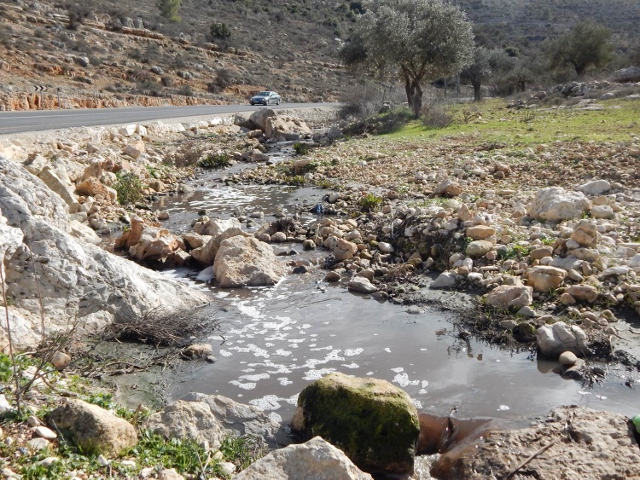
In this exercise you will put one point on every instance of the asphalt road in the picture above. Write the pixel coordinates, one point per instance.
(38, 120)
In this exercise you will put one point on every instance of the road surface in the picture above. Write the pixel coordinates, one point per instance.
(38, 120)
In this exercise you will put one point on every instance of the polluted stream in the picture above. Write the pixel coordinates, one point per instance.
(274, 341)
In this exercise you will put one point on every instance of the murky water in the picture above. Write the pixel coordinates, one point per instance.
(276, 340)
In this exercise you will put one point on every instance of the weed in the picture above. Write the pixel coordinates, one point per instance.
(301, 148)
(129, 188)
(370, 202)
(516, 251)
(243, 451)
(215, 161)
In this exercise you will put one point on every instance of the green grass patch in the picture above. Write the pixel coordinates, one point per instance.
(494, 123)
(215, 161)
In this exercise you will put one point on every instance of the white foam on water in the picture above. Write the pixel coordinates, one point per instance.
(397, 369)
(248, 370)
(503, 408)
(417, 403)
(388, 350)
(255, 378)
(221, 294)
(583, 393)
(322, 348)
(368, 374)
(402, 379)
(304, 326)
(422, 391)
(424, 383)
(297, 340)
(268, 402)
(205, 275)
(311, 375)
(225, 353)
(249, 311)
(351, 352)
(269, 345)
(293, 400)
(284, 381)
(274, 417)
(243, 386)
(601, 397)
(313, 335)
(283, 353)
(350, 365)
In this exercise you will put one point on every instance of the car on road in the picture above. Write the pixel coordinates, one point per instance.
(265, 98)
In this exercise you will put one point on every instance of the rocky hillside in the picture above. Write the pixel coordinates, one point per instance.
(119, 56)
(107, 53)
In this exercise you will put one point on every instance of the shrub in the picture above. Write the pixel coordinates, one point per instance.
(129, 188)
(435, 115)
(219, 31)
(301, 148)
(370, 202)
(187, 156)
(222, 80)
(215, 160)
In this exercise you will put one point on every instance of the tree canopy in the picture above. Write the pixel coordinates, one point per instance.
(169, 9)
(587, 45)
(423, 39)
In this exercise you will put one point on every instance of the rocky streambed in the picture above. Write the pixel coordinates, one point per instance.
(465, 277)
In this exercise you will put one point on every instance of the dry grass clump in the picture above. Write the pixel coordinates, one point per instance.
(164, 328)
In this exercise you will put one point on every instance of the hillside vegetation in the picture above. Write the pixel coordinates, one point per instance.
(220, 51)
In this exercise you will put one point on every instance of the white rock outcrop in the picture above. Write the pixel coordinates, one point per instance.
(74, 280)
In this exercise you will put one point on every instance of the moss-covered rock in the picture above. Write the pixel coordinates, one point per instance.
(372, 421)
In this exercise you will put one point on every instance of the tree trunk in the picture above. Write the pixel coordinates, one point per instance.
(414, 92)
(477, 94)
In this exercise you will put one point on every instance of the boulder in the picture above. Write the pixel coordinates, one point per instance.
(155, 244)
(372, 421)
(94, 429)
(625, 75)
(444, 280)
(545, 278)
(260, 116)
(75, 279)
(595, 187)
(344, 249)
(206, 254)
(92, 187)
(246, 261)
(187, 420)
(480, 232)
(559, 337)
(315, 459)
(285, 128)
(555, 204)
(510, 296)
(478, 248)
(362, 285)
(585, 293)
(572, 442)
(239, 419)
(585, 234)
(448, 188)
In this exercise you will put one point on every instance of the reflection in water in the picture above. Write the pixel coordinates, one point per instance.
(277, 340)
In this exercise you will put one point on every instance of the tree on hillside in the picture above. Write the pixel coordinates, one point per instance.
(422, 39)
(486, 63)
(587, 45)
(169, 9)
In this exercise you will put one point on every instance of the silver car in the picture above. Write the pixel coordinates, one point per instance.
(265, 98)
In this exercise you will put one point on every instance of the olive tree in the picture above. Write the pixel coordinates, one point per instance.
(169, 9)
(422, 39)
(487, 64)
(587, 45)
